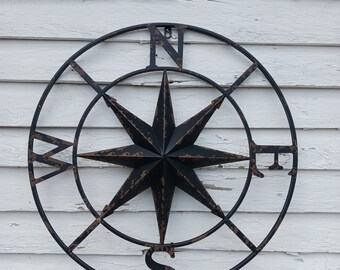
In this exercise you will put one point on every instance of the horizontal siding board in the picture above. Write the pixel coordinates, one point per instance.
(282, 22)
(25, 232)
(315, 192)
(314, 154)
(39, 60)
(187, 259)
(267, 112)
(297, 41)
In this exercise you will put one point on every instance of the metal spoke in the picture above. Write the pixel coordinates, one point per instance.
(242, 78)
(85, 76)
(197, 156)
(240, 235)
(84, 234)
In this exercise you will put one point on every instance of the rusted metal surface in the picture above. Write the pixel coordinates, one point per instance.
(130, 156)
(47, 158)
(197, 156)
(187, 133)
(163, 155)
(162, 169)
(139, 131)
(154, 265)
(156, 37)
(242, 78)
(164, 120)
(271, 149)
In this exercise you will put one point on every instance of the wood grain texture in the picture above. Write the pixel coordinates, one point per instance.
(18, 229)
(62, 112)
(316, 191)
(39, 60)
(186, 260)
(259, 22)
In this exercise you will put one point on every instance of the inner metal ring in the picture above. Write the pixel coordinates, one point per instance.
(134, 240)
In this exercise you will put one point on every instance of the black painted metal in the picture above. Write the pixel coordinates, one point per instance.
(156, 266)
(163, 155)
(47, 157)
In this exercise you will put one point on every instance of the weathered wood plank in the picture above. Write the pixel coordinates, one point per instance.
(315, 192)
(265, 113)
(305, 21)
(186, 259)
(290, 66)
(25, 232)
(314, 154)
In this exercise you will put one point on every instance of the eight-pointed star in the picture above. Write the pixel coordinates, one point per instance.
(163, 156)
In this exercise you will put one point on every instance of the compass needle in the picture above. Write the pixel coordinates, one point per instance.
(139, 131)
(188, 181)
(139, 180)
(164, 122)
(187, 133)
(198, 156)
(129, 156)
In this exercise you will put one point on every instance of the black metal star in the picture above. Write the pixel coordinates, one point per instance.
(163, 156)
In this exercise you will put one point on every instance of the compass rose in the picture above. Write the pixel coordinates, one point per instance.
(163, 156)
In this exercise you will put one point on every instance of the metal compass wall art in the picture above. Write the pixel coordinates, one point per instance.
(164, 155)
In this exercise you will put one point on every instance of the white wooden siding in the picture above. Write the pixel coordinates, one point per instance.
(312, 22)
(297, 41)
